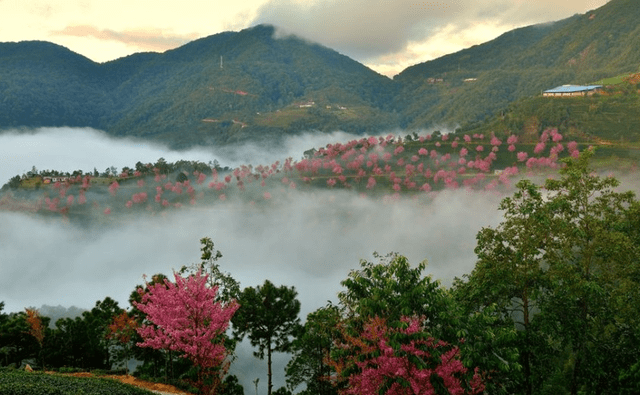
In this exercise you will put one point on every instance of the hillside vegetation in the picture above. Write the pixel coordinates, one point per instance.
(18, 382)
(610, 119)
(524, 62)
(250, 85)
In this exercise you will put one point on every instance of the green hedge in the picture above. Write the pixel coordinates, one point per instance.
(23, 383)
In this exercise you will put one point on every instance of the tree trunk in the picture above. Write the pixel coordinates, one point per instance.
(269, 369)
(527, 354)
(576, 373)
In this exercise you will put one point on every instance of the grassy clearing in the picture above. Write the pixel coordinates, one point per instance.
(282, 118)
(611, 80)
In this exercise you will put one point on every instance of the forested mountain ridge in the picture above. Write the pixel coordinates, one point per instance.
(212, 87)
(255, 85)
(521, 63)
(44, 84)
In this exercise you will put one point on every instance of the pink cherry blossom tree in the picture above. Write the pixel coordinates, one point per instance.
(185, 316)
(539, 148)
(522, 156)
(400, 361)
(113, 188)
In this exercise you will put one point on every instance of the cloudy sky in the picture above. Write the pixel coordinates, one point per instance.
(385, 35)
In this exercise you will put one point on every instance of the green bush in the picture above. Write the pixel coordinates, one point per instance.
(66, 369)
(24, 383)
(20, 388)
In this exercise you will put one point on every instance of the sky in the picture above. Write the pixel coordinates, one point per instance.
(387, 36)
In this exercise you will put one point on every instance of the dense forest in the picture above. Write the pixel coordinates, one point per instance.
(550, 308)
(248, 85)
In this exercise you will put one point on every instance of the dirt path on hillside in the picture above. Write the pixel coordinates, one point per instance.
(159, 388)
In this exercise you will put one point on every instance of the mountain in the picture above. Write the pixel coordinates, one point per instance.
(44, 84)
(521, 63)
(223, 88)
(254, 85)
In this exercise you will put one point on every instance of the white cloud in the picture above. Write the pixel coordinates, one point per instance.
(378, 32)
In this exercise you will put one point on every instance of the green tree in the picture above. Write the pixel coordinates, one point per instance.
(561, 268)
(14, 182)
(68, 345)
(228, 287)
(16, 343)
(82, 342)
(269, 316)
(97, 322)
(311, 350)
(593, 254)
(392, 289)
(4, 350)
(511, 252)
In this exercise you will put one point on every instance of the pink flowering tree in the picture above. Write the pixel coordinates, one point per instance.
(400, 360)
(400, 334)
(187, 317)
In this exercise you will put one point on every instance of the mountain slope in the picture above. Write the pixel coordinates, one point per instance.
(522, 63)
(44, 84)
(253, 85)
(225, 79)
(231, 77)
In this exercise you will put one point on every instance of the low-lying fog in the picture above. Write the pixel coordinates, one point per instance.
(307, 240)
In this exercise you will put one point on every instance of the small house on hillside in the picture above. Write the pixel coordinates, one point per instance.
(54, 179)
(432, 80)
(572, 91)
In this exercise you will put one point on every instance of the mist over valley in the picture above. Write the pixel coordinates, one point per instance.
(320, 234)
(307, 238)
(300, 163)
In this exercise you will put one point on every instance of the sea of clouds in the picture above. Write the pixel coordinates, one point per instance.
(309, 240)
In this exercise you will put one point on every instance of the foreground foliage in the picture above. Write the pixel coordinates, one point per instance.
(562, 269)
(269, 316)
(400, 333)
(16, 382)
(402, 360)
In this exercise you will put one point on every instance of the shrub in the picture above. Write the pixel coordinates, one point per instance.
(22, 383)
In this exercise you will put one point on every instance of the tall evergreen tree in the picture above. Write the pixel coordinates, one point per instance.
(269, 316)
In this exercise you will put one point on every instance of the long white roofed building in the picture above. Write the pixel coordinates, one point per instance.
(572, 91)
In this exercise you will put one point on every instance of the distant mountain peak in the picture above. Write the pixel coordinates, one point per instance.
(189, 95)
